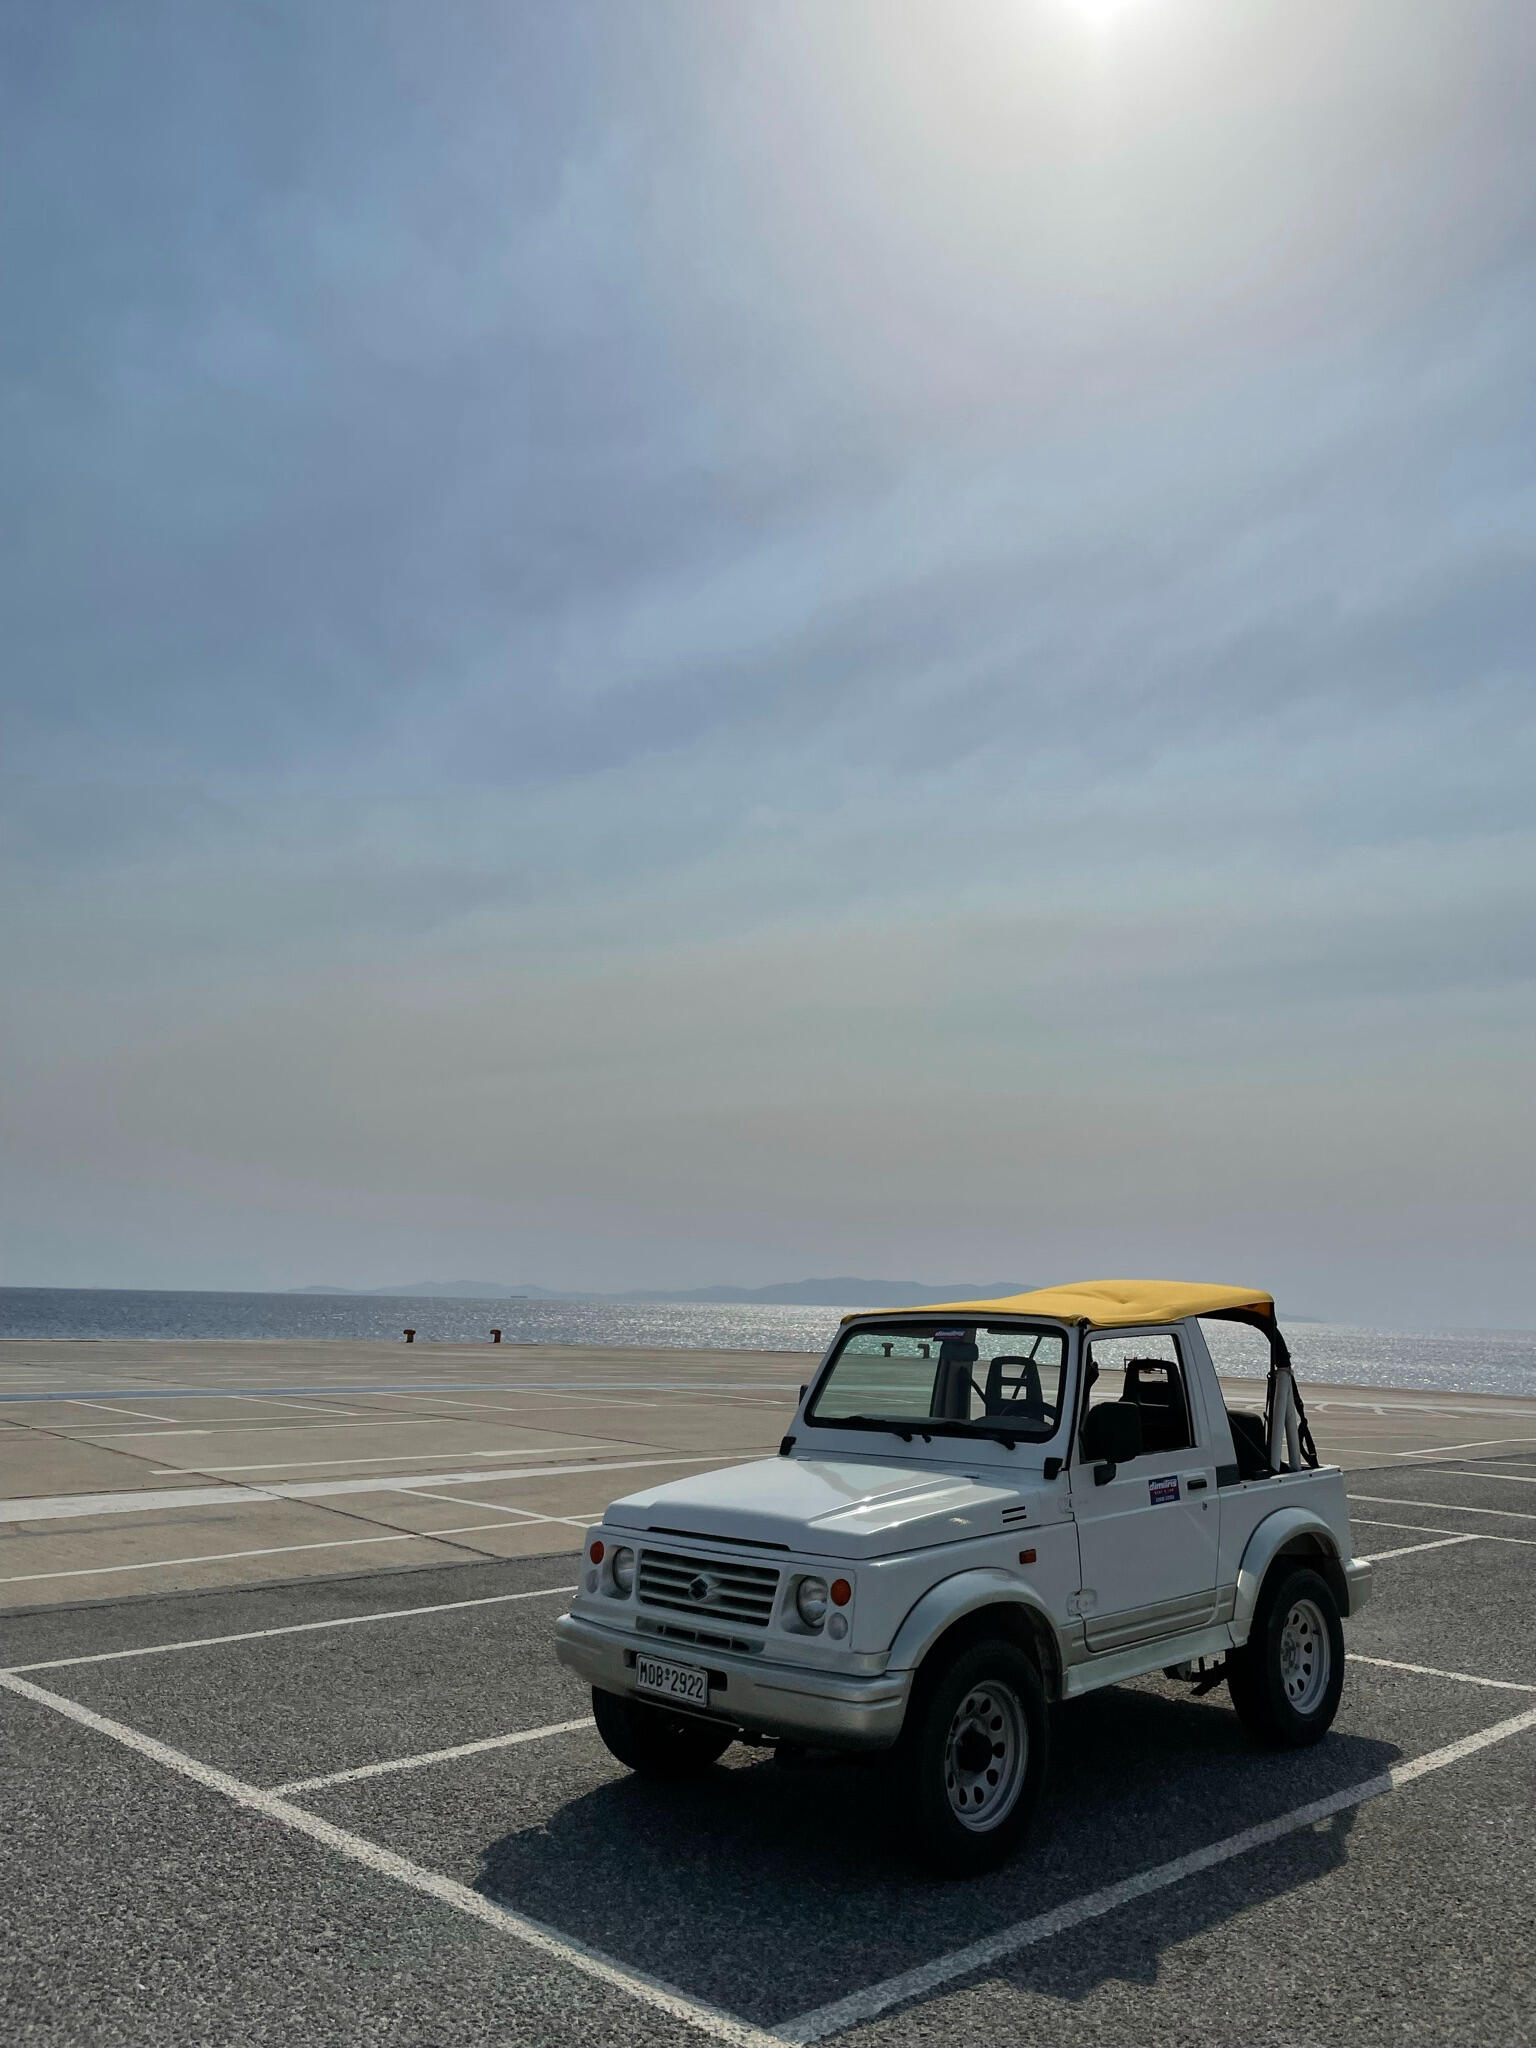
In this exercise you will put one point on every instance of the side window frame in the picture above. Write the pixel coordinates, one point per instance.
(1194, 1410)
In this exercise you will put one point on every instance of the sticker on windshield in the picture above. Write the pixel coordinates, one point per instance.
(951, 1333)
(1161, 1490)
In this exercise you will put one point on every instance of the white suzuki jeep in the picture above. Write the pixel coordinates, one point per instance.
(982, 1508)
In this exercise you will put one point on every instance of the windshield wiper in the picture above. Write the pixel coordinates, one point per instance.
(902, 1429)
(1009, 1435)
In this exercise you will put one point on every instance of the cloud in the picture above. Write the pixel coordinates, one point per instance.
(697, 638)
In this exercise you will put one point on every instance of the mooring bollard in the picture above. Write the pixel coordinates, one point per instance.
(410, 1336)
(495, 1336)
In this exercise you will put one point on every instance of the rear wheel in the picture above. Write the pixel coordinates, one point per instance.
(1286, 1680)
(655, 1741)
(972, 1757)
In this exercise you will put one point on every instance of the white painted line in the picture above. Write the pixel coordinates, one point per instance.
(582, 1522)
(143, 1414)
(1481, 1443)
(50, 1509)
(1495, 1475)
(294, 1628)
(964, 1962)
(453, 1500)
(1427, 1529)
(102, 1436)
(440, 1756)
(1408, 1549)
(161, 1564)
(1430, 1671)
(395, 1458)
(259, 1427)
(372, 1856)
(531, 1394)
(1443, 1507)
(306, 1407)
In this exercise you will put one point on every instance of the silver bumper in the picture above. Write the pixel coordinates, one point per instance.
(1357, 1583)
(772, 1699)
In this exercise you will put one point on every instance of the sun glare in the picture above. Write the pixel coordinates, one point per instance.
(1102, 14)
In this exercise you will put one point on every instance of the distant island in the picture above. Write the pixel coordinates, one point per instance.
(842, 1292)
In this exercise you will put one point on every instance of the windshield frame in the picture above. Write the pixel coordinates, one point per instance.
(938, 1431)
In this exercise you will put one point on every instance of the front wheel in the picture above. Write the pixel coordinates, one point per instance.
(1286, 1680)
(972, 1757)
(655, 1741)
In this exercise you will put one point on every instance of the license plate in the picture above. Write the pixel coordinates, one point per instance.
(673, 1681)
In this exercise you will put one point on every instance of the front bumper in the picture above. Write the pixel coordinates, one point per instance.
(821, 1707)
(1357, 1583)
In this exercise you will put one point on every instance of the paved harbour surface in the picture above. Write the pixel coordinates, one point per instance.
(131, 1468)
(281, 1792)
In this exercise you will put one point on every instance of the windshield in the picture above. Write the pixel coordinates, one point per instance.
(946, 1377)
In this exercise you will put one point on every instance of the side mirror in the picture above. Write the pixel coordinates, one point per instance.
(1111, 1436)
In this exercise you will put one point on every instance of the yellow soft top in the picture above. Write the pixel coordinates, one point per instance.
(1108, 1304)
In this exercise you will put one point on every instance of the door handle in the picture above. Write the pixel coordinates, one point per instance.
(1197, 1484)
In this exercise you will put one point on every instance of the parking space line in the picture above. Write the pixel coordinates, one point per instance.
(485, 1506)
(382, 1862)
(1483, 1535)
(113, 1435)
(1442, 1507)
(394, 1458)
(289, 1628)
(910, 1984)
(532, 1394)
(1429, 1671)
(479, 1528)
(438, 1756)
(53, 1508)
(1496, 1476)
(258, 1425)
(305, 1407)
(160, 1564)
(1407, 1550)
(1478, 1444)
(140, 1414)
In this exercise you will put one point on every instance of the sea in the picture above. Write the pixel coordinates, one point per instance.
(1468, 1361)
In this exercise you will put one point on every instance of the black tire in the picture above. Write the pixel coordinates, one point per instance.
(655, 1741)
(987, 1693)
(1286, 1680)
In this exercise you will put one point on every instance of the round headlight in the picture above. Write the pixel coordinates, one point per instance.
(811, 1602)
(624, 1570)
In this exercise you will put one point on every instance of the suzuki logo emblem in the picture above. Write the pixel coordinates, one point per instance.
(700, 1588)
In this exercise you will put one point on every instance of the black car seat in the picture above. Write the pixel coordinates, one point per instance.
(1249, 1445)
(1153, 1385)
(1013, 1389)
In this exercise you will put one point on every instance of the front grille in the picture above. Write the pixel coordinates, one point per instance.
(719, 1589)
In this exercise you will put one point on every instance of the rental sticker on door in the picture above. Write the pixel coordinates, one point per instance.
(1161, 1490)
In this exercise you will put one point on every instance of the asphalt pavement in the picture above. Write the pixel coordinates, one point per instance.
(176, 1874)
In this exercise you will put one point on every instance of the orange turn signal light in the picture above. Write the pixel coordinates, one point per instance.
(1026, 1557)
(596, 1553)
(840, 1592)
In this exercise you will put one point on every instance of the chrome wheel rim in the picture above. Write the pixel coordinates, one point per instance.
(985, 1753)
(1306, 1656)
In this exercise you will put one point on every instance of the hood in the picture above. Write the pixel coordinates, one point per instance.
(839, 1507)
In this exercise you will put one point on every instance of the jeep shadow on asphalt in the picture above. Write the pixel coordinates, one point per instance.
(773, 1888)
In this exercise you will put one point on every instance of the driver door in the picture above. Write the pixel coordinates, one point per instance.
(1148, 1539)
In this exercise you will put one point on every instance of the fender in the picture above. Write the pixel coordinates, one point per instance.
(967, 1593)
(1264, 1546)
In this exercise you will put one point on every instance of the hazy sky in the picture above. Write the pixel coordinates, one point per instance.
(651, 644)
